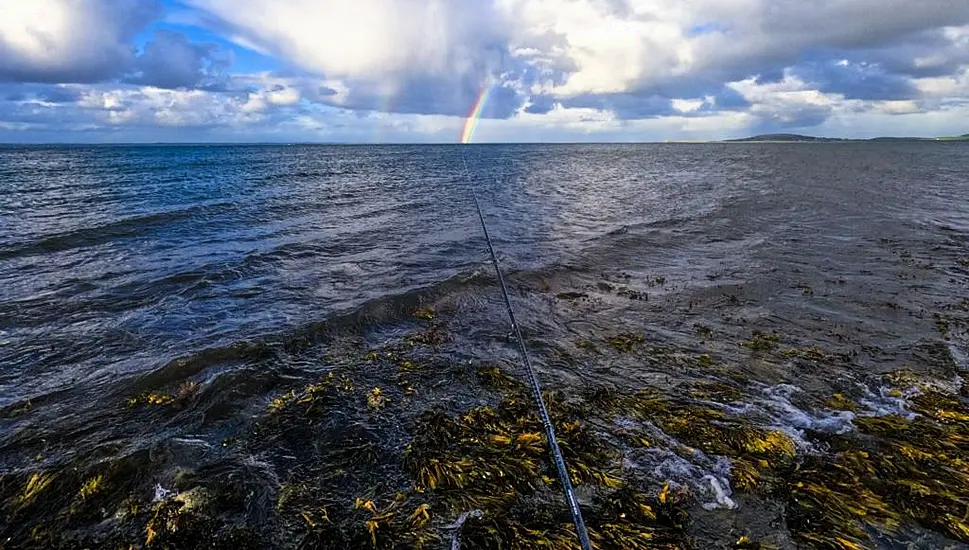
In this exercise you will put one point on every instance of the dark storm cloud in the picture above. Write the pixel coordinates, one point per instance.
(59, 95)
(540, 104)
(441, 96)
(728, 99)
(804, 116)
(856, 81)
(892, 33)
(46, 93)
(172, 61)
(93, 46)
(631, 106)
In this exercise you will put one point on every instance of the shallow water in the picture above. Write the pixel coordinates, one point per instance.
(249, 271)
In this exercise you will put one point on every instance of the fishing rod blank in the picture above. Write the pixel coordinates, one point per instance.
(563, 472)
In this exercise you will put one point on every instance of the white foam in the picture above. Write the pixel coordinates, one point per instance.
(721, 491)
(793, 420)
(162, 493)
(885, 402)
(673, 467)
(707, 476)
(959, 357)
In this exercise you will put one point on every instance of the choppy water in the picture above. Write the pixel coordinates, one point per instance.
(126, 270)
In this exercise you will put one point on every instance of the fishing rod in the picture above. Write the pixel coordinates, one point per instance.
(553, 445)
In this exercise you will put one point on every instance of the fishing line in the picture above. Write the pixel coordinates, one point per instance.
(563, 472)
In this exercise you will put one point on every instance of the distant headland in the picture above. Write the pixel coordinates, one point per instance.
(797, 138)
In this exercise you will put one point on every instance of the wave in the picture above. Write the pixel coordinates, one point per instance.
(381, 311)
(101, 234)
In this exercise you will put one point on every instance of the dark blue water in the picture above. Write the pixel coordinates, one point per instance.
(117, 263)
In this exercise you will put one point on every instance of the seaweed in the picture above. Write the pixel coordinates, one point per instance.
(182, 394)
(838, 401)
(813, 354)
(906, 470)
(762, 341)
(495, 378)
(424, 313)
(363, 468)
(587, 345)
(495, 460)
(376, 399)
(626, 342)
(942, 325)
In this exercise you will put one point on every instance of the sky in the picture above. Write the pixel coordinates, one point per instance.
(401, 71)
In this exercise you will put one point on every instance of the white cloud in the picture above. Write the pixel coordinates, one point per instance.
(146, 105)
(568, 48)
(365, 39)
(688, 105)
(598, 63)
(900, 107)
(951, 86)
(604, 50)
(69, 40)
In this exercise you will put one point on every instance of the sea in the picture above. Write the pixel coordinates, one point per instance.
(157, 302)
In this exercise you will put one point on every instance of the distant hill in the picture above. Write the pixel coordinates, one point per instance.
(786, 138)
(797, 138)
(889, 138)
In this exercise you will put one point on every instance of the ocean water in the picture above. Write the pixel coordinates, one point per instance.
(242, 272)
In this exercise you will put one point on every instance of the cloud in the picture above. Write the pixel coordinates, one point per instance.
(431, 56)
(789, 103)
(87, 41)
(675, 47)
(171, 61)
(581, 67)
(365, 39)
(414, 56)
(856, 80)
(59, 41)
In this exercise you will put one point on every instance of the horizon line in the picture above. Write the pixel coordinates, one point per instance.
(752, 139)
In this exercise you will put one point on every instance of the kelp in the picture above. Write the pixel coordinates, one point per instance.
(898, 470)
(840, 402)
(709, 430)
(424, 313)
(813, 354)
(627, 342)
(496, 460)
(52, 504)
(762, 341)
(361, 468)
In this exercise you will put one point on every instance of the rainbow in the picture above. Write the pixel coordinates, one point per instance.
(471, 122)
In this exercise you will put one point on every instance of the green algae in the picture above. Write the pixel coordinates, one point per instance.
(91, 486)
(376, 399)
(587, 345)
(184, 392)
(702, 330)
